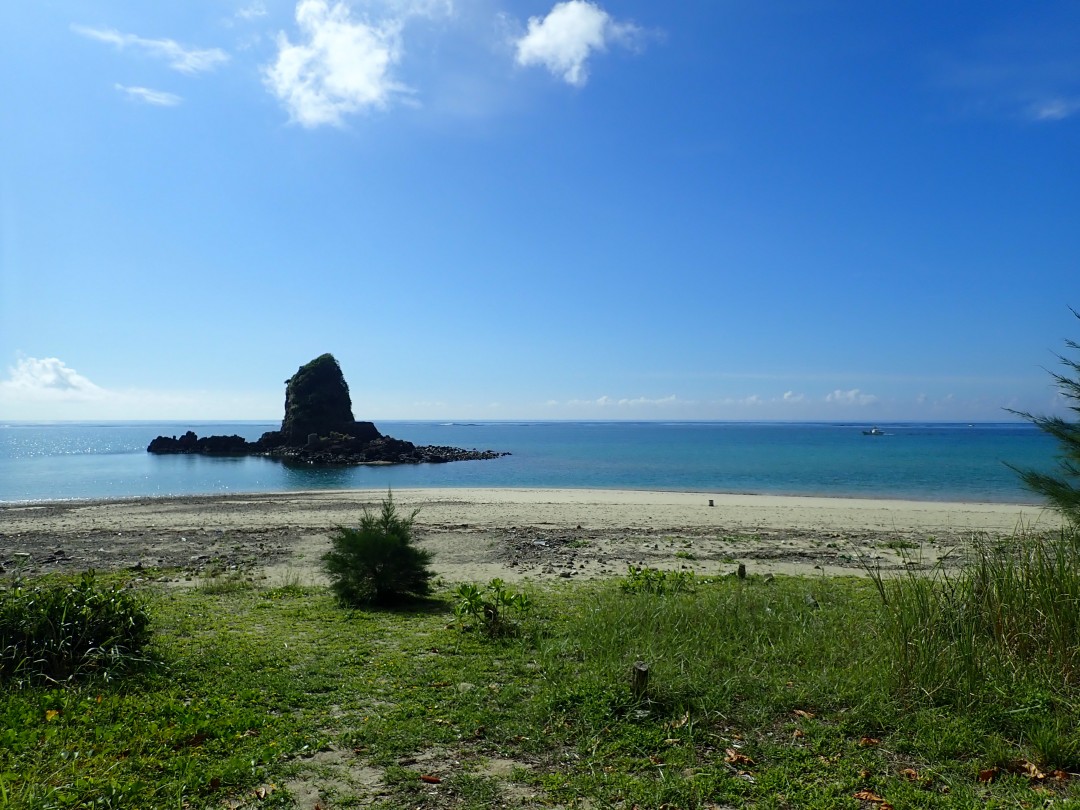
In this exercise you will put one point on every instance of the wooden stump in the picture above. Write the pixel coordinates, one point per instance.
(639, 679)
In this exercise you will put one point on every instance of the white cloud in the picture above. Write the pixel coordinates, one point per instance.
(158, 98)
(47, 388)
(341, 67)
(47, 378)
(185, 60)
(625, 402)
(252, 11)
(791, 396)
(852, 397)
(1055, 109)
(563, 40)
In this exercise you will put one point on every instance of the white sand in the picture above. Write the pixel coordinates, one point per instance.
(521, 533)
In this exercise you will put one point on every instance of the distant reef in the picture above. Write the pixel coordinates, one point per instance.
(319, 429)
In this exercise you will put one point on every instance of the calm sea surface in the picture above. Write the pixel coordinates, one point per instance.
(59, 461)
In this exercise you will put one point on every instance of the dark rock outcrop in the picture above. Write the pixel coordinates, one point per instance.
(208, 445)
(319, 429)
(317, 402)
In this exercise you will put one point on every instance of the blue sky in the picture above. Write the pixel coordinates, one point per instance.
(499, 209)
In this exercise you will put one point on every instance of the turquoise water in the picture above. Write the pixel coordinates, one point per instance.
(60, 461)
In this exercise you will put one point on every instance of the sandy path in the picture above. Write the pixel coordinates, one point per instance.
(512, 533)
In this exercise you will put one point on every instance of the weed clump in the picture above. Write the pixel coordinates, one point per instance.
(55, 630)
(656, 581)
(378, 563)
(489, 606)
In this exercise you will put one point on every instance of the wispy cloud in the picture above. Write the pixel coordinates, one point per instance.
(158, 98)
(341, 66)
(852, 397)
(185, 60)
(571, 32)
(625, 402)
(1054, 109)
(252, 11)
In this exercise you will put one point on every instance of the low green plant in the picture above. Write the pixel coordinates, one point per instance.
(378, 563)
(657, 581)
(489, 606)
(1007, 623)
(54, 630)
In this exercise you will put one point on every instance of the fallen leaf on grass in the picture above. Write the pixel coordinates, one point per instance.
(431, 780)
(1061, 776)
(910, 774)
(263, 791)
(869, 742)
(682, 721)
(735, 758)
(797, 734)
(803, 714)
(1030, 770)
(870, 796)
(989, 775)
(51, 715)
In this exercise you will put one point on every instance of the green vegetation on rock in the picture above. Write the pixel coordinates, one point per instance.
(317, 401)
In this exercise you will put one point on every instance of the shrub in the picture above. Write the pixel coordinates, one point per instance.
(377, 563)
(56, 630)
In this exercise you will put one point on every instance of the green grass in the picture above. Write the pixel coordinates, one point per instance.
(779, 693)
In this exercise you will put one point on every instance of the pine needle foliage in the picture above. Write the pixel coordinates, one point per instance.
(1061, 490)
(378, 562)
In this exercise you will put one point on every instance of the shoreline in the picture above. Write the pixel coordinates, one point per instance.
(512, 533)
(1032, 505)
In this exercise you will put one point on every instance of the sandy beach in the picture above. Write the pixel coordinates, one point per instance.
(516, 534)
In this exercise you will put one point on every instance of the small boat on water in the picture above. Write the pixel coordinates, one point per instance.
(874, 431)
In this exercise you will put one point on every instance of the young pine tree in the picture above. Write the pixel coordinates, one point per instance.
(1061, 490)
(377, 563)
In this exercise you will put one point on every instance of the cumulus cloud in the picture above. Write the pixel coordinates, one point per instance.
(185, 60)
(564, 40)
(158, 98)
(48, 378)
(852, 397)
(791, 396)
(341, 66)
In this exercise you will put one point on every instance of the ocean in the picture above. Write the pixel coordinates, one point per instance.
(933, 462)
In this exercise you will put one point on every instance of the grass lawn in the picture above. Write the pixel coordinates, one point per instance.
(762, 693)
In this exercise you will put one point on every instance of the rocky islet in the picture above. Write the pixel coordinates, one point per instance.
(319, 429)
